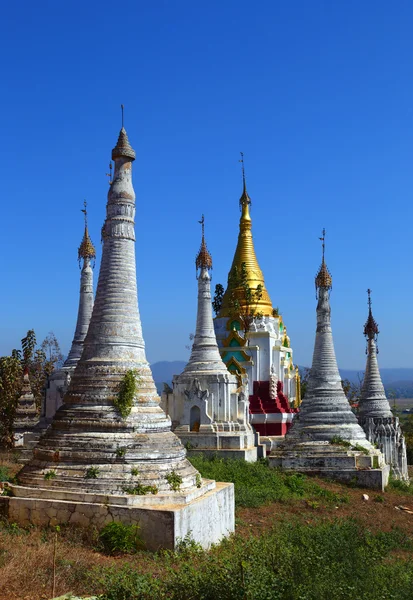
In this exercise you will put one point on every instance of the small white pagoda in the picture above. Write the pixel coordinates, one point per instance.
(208, 407)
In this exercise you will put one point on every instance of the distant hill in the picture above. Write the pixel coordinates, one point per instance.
(164, 370)
(399, 381)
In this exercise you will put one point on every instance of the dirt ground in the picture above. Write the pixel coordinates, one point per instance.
(26, 556)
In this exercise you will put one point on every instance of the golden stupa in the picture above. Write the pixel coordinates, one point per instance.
(245, 253)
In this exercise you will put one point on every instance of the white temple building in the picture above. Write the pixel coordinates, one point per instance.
(208, 406)
(59, 380)
(382, 428)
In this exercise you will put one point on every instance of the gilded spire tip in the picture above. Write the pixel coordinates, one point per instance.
(245, 200)
(323, 278)
(371, 329)
(86, 248)
(203, 259)
(123, 147)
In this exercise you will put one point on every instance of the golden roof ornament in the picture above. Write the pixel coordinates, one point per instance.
(371, 329)
(86, 248)
(123, 147)
(245, 253)
(203, 259)
(323, 278)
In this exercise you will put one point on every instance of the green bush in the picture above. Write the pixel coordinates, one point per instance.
(174, 480)
(126, 393)
(5, 473)
(337, 560)
(92, 473)
(257, 484)
(118, 538)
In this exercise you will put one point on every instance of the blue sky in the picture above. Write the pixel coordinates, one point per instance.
(319, 97)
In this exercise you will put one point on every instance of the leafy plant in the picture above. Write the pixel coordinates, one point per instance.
(120, 451)
(140, 490)
(126, 393)
(336, 440)
(118, 538)
(198, 480)
(134, 471)
(174, 480)
(50, 474)
(218, 297)
(92, 473)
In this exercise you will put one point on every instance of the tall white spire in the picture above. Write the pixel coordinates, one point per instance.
(375, 415)
(89, 427)
(325, 412)
(86, 254)
(205, 354)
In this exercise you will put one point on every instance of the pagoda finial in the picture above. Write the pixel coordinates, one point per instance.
(86, 248)
(323, 278)
(245, 200)
(371, 329)
(203, 259)
(123, 147)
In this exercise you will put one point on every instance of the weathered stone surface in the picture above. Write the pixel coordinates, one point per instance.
(207, 518)
(325, 437)
(90, 448)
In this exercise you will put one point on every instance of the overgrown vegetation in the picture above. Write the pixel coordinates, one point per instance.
(140, 490)
(256, 484)
(339, 560)
(118, 538)
(38, 363)
(92, 473)
(123, 401)
(174, 480)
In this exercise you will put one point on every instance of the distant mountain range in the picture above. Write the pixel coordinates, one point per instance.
(398, 382)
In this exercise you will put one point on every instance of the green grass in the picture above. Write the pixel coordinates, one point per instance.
(257, 484)
(5, 474)
(339, 560)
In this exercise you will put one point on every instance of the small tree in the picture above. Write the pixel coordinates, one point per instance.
(10, 388)
(244, 300)
(51, 349)
(218, 296)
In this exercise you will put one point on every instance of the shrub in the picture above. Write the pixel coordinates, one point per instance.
(5, 474)
(118, 538)
(337, 560)
(126, 393)
(134, 471)
(174, 480)
(92, 473)
(120, 451)
(50, 474)
(140, 490)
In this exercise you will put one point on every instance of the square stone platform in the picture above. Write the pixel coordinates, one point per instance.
(207, 516)
(328, 461)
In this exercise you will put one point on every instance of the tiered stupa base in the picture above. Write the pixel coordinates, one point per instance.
(333, 461)
(206, 513)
